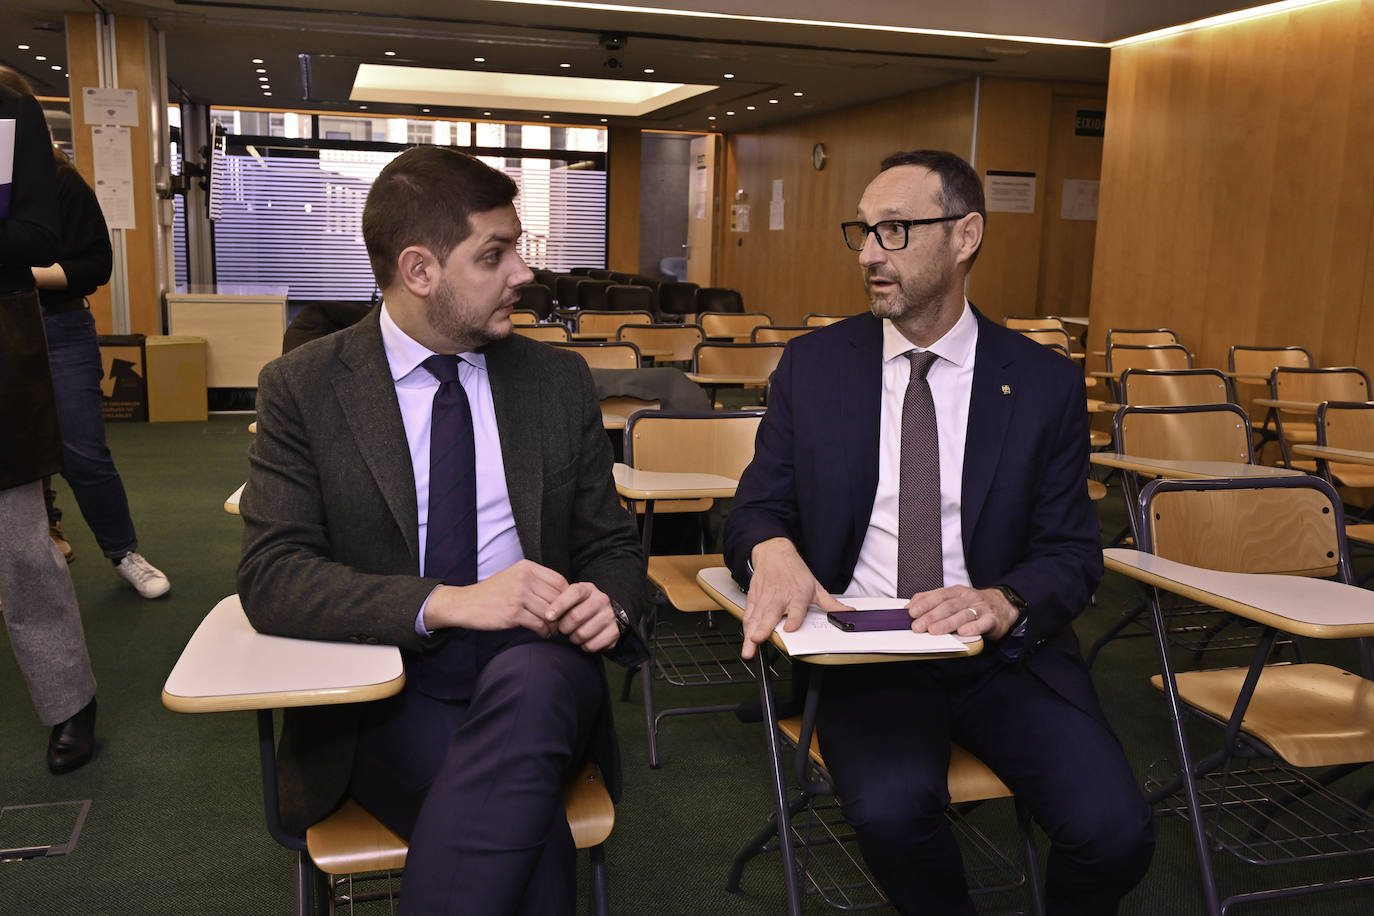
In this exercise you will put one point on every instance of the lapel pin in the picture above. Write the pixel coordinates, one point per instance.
(1006, 389)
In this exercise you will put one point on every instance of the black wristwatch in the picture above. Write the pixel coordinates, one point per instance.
(622, 618)
(1019, 627)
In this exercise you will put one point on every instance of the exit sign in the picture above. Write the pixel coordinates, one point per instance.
(1089, 123)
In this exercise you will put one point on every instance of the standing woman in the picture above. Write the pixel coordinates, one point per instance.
(36, 594)
(82, 267)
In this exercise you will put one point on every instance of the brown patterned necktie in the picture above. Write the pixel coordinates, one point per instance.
(920, 557)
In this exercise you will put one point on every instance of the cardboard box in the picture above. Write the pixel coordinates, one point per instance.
(176, 378)
(124, 396)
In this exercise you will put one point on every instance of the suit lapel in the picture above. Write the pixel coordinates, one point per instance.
(862, 400)
(990, 410)
(367, 398)
(516, 397)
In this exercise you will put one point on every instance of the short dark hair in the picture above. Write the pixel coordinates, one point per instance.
(14, 81)
(961, 191)
(425, 196)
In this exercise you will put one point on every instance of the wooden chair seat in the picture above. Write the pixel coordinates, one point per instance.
(1096, 490)
(1099, 439)
(352, 841)
(970, 779)
(1362, 533)
(676, 576)
(1310, 715)
(1352, 475)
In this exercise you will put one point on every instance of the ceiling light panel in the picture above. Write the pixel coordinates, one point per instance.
(467, 88)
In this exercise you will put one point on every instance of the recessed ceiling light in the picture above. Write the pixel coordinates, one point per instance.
(798, 94)
(486, 114)
(546, 117)
(39, 57)
(710, 117)
(23, 47)
(479, 60)
(363, 107)
(267, 93)
(57, 66)
(772, 101)
(749, 107)
(648, 69)
(728, 76)
(730, 112)
(425, 110)
(263, 79)
(260, 70)
(603, 120)
(265, 87)
(257, 60)
(565, 65)
(390, 53)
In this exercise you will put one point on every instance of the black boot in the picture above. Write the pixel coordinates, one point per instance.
(73, 741)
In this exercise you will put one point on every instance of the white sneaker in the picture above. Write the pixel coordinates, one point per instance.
(146, 578)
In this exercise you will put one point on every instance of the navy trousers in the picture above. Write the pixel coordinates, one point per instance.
(476, 786)
(885, 732)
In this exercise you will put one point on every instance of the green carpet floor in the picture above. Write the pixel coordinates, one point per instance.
(175, 824)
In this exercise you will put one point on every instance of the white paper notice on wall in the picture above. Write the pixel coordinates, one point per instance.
(112, 159)
(777, 189)
(1079, 200)
(775, 214)
(110, 106)
(1009, 192)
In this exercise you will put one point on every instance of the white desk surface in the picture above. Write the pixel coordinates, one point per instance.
(717, 582)
(1294, 406)
(1161, 467)
(231, 505)
(228, 666)
(1081, 320)
(754, 380)
(1348, 455)
(1296, 604)
(632, 483)
(613, 420)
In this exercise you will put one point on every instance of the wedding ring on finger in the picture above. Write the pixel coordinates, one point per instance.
(973, 612)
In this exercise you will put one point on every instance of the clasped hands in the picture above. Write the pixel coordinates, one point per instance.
(783, 586)
(528, 595)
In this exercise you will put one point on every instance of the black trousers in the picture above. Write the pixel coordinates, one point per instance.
(476, 786)
(885, 733)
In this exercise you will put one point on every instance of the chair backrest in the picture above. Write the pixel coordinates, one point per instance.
(644, 280)
(581, 271)
(1273, 525)
(1121, 357)
(1338, 383)
(1174, 387)
(623, 297)
(600, 273)
(1141, 337)
(678, 339)
(1214, 432)
(778, 333)
(537, 298)
(736, 359)
(601, 354)
(1346, 424)
(816, 320)
(1054, 336)
(717, 442)
(606, 324)
(524, 317)
(736, 326)
(591, 294)
(565, 289)
(622, 279)
(553, 333)
(1058, 348)
(719, 299)
(1033, 323)
(1259, 361)
(677, 298)
(547, 279)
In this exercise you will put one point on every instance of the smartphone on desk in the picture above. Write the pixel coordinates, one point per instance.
(893, 618)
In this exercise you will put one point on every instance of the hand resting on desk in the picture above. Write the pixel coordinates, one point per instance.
(782, 585)
(947, 610)
(528, 595)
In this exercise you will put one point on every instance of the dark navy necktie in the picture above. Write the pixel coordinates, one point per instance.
(447, 672)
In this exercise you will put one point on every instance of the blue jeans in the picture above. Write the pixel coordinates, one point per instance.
(87, 464)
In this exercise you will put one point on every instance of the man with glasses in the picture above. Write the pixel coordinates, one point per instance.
(965, 456)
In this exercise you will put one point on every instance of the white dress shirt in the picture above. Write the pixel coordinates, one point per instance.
(951, 380)
(498, 543)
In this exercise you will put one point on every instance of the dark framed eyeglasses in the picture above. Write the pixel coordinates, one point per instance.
(892, 234)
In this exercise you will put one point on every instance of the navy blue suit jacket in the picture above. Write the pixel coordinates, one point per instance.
(1027, 519)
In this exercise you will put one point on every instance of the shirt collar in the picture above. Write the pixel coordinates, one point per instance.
(956, 345)
(404, 354)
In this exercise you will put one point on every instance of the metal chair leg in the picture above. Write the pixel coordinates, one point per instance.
(600, 902)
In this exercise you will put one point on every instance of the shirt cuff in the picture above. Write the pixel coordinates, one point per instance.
(420, 617)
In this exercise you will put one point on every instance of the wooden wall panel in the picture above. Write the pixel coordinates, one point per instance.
(134, 47)
(623, 153)
(806, 267)
(1237, 188)
(83, 56)
(1066, 246)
